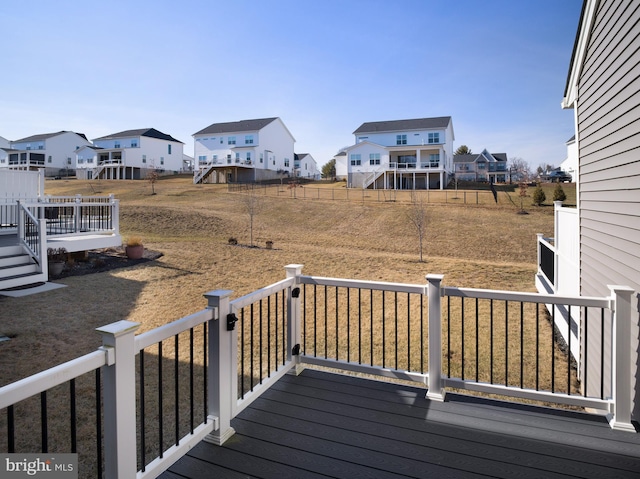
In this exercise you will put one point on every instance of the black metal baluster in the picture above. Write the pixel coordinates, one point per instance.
(521, 345)
(326, 323)
(315, 322)
(383, 333)
(277, 318)
(506, 343)
(477, 343)
(191, 383)
(408, 332)
(251, 348)
(601, 353)
(359, 326)
(176, 387)
(537, 346)
(448, 337)
(73, 416)
(462, 334)
(586, 349)
(337, 335)
(553, 356)
(422, 334)
(304, 323)
(143, 460)
(160, 408)
(348, 324)
(44, 427)
(11, 430)
(260, 373)
(98, 424)
(371, 327)
(268, 336)
(491, 341)
(204, 375)
(395, 319)
(242, 342)
(569, 352)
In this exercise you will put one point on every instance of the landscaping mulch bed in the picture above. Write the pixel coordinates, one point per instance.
(107, 259)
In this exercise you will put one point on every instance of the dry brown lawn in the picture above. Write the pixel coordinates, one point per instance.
(488, 246)
(482, 246)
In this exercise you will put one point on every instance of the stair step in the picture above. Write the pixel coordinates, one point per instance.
(21, 280)
(11, 250)
(18, 269)
(14, 259)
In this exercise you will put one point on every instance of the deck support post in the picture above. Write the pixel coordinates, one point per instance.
(621, 351)
(119, 396)
(294, 318)
(435, 390)
(223, 368)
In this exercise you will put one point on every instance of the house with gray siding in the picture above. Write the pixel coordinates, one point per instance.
(603, 89)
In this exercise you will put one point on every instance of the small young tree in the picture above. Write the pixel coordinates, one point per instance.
(538, 196)
(152, 177)
(252, 206)
(523, 193)
(559, 194)
(417, 216)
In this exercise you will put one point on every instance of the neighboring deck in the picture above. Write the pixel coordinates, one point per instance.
(321, 424)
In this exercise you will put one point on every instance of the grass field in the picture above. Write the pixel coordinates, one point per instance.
(485, 245)
(488, 246)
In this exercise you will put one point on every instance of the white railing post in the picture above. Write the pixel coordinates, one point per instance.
(621, 350)
(77, 211)
(42, 247)
(119, 398)
(115, 215)
(435, 390)
(539, 237)
(223, 367)
(294, 318)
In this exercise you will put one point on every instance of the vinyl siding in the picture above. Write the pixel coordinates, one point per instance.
(608, 116)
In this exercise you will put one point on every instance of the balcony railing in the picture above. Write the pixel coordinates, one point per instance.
(495, 342)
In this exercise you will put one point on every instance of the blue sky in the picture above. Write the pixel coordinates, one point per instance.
(497, 67)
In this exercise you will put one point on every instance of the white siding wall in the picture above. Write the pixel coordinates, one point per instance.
(608, 124)
(156, 150)
(419, 137)
(61, 148)
(276, 138)
(364, 150)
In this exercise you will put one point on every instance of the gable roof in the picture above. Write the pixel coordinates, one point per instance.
(403, 125)
(236, 126)
(45, 136)
(491, 157)
(148, 132)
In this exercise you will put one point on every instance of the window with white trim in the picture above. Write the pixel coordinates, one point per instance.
(434, 138)
(355, 159)
(231, 140)
(401, 139)
(374, 158)
(248, 140)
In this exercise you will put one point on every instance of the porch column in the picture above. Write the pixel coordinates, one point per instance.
(435, 391)
(223, 367)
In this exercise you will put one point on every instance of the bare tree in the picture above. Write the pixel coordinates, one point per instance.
(152, 176)
(252, 206)
(417, 216)
(519, 169)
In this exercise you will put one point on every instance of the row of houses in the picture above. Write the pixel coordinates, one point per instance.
(398, 154)
(263, 147)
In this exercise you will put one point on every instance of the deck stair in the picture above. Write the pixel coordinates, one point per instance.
(202, 174)
(17, 268)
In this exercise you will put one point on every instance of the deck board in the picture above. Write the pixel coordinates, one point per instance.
(320, 424)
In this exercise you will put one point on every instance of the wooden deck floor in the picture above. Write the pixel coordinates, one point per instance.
(328, 425)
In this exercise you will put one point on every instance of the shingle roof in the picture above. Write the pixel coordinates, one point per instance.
(474, 156)
(403, 125)
(45, 136)
(236, 126)
(148, 132)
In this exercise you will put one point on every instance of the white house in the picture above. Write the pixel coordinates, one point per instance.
(305, 166)
(570, 164)
(402, 154)
(597, 244)
(130, 155)
(342, 170)
(54, 152)
(243, 151)
(485, 166)
(5, 146)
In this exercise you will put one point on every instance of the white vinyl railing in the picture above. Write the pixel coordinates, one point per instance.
(298, 318)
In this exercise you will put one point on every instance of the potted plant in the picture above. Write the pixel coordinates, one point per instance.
(134, 248)
(56, 258)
